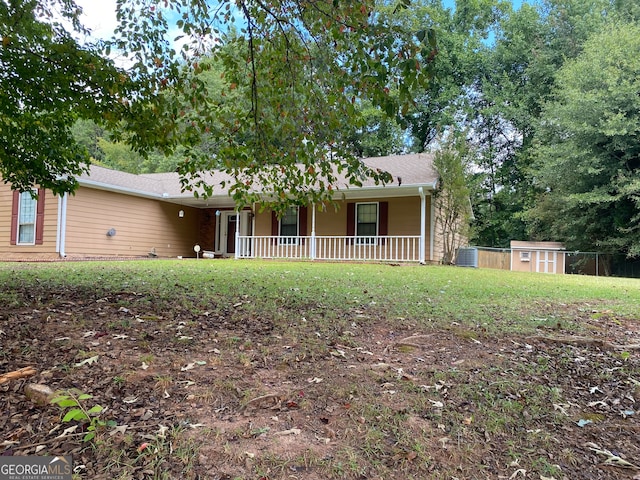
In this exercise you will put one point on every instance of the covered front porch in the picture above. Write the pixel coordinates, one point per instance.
(397, 229)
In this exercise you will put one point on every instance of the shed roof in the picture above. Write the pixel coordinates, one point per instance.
(525, 245)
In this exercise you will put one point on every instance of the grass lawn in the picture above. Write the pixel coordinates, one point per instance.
(225, 369)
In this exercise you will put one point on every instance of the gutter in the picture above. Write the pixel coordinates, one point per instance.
(109, 187)
(116, 188)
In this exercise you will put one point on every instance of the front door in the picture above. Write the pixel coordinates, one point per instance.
(232, 220)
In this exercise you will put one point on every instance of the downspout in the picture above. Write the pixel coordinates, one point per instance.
(423, 224)
(62, 225)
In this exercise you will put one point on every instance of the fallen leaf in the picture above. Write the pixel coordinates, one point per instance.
(119, 429)
(67, 431)
(520, 471)
(87, 361)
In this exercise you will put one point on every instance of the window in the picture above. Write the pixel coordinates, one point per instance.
(26, 219)
(525, 257)
(366, 222)
(289, 227)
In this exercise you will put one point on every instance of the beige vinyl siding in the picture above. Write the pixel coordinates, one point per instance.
(32, 252)
(141, 225)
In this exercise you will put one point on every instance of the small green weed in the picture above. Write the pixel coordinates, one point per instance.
(74, 403)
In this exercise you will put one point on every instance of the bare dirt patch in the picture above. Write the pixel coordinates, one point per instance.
(225, 394)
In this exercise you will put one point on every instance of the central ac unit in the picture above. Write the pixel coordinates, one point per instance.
(467, 257)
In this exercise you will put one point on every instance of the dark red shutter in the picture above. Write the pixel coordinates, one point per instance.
(302, 222)
(351, 221)
(275, 227)
(14, 217)
(383, 220)
(40, 217)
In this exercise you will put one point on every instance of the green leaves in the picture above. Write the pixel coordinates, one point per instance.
(292, 76)
(74, 402)
(48, 81)
(588, 146)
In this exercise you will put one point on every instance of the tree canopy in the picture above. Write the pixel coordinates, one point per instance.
(293, 72)
(286, 94)
(588, 147)
(48, 81)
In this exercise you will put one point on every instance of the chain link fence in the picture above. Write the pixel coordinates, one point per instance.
(602, 264)
(576, 263)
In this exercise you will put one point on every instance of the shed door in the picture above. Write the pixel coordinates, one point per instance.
(546, 262)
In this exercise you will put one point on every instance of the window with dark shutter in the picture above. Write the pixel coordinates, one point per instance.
(289, 227)
(27, 218)
(366, 217)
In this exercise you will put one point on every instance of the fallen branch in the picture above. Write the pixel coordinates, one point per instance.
(409, 341)
(573, 340)
(50, 440)
(20, 373)
(586, 341)
(612, 460)
(276, 397)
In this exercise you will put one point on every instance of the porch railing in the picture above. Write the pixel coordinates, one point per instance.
(397, 248)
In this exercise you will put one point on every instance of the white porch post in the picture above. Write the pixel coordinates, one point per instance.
(312, 252)
(432, 229)
(237, 254)
(423, 224)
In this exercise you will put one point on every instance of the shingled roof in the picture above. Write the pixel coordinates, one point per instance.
(408, 171)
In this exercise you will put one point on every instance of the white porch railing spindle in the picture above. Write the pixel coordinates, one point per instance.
(396, 248)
